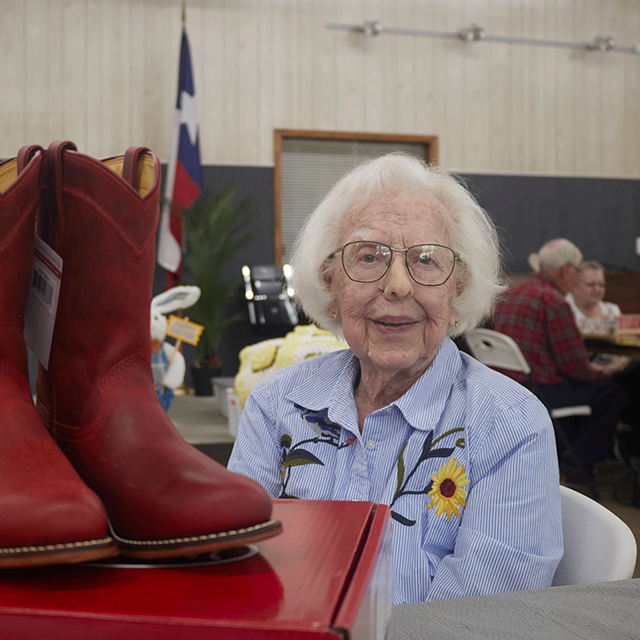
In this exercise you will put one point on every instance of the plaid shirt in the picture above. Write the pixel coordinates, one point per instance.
(537, 316)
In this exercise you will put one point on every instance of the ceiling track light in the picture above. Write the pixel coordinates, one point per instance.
(475, 33)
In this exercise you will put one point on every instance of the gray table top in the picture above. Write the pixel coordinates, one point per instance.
(604, 611)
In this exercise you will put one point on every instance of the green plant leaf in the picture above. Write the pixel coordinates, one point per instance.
(216, 229)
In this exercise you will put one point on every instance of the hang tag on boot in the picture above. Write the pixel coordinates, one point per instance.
(42, 302)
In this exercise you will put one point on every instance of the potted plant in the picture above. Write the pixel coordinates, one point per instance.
(216, 228)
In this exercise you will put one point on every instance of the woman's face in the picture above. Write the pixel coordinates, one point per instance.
(590, 288)
(394, 324)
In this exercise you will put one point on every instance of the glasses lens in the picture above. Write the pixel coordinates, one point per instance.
(430, 264)
(365, 261)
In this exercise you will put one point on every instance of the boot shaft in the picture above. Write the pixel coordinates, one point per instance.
(19, 198)
(103, 227)
(164, 497)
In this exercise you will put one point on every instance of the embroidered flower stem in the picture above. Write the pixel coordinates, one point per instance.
(428, 452)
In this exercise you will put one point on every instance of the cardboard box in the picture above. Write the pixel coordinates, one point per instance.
(227, 402)
(234, 411)
(220, 386)
(327, 576)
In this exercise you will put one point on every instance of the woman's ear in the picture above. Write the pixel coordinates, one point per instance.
(327, 275)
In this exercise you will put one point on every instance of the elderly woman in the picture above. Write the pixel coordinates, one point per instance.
(588, 306)
(398, 258)
(587, 303)
(587, 297)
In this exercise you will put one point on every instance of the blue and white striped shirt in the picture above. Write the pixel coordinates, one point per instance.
(466, 458)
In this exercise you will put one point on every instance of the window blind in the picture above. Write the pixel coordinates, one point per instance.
(310, 167)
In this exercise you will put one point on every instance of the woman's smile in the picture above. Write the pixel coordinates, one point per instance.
(394, 324)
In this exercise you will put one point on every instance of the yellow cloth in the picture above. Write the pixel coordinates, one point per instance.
(257, 361)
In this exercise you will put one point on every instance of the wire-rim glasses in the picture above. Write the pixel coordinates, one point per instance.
(429, 265)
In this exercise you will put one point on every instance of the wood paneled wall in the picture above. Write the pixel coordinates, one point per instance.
(104, 73)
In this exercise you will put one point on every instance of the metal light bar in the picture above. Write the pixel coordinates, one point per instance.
(475, 33)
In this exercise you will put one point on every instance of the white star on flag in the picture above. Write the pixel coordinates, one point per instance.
(189, 115)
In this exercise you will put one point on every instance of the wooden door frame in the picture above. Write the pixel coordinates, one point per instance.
(430, 145)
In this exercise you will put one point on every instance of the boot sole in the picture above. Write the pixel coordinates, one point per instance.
(51, 554)
(152, 549)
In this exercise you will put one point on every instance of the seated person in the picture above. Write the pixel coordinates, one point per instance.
(397, 259)
(586, 300)
(587, 303)
(537, 316)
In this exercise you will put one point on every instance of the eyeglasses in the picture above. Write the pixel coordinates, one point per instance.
(430, 265)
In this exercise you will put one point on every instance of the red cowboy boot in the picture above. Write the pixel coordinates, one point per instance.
(47, 514)
(164, 497)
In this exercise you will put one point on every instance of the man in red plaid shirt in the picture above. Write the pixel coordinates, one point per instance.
(537, 316)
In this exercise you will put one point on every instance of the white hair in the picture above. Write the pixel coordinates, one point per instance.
(558, 252)
(471, 233)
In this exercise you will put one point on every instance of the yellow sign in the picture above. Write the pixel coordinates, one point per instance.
(184, 330)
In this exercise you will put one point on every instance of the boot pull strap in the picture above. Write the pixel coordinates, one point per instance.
(26, 154)
(49, 221)
(130, 168)
(55, 165)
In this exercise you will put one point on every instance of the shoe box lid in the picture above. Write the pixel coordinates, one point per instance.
(328, 575)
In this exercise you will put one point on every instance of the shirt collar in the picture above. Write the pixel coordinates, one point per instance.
(331, 389)
(424, 403)
(548, 280)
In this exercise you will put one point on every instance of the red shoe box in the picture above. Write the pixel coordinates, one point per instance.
(327, 576)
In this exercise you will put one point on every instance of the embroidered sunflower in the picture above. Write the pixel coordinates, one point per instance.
(447, 491)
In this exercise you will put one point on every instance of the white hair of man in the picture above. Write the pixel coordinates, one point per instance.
(472, 234)
(558, 252)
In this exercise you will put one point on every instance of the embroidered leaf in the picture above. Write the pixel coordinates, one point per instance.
(460, 443)
(400, 468)
(285, 440)
(439, 453)
(299, 457)
(402, 519)
(425, 448)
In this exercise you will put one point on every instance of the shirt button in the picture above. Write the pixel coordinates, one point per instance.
(388, 409)
(371, 444)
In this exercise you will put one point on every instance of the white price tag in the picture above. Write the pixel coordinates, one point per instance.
(42, 303)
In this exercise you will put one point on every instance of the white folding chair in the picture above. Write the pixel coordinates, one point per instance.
(598, 546)
(498, 350)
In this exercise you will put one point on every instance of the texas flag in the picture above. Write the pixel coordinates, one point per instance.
(184, 177)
